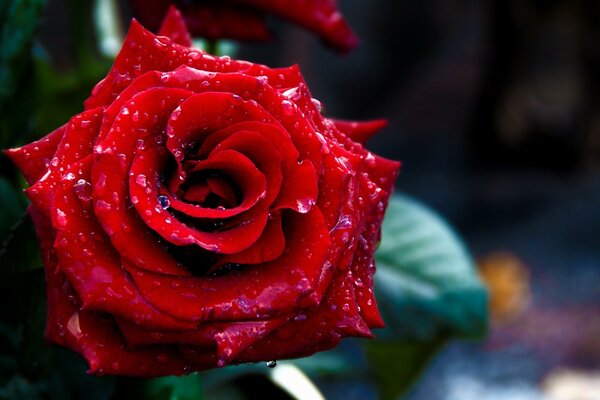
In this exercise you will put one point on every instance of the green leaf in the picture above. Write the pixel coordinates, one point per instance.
(188, 387)
(397, 365)
(426, 282)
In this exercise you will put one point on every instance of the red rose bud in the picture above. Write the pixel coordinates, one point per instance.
(245, 19)
(202, 212)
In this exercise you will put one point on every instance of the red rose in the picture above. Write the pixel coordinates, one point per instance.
(245, 19)
(202, 212)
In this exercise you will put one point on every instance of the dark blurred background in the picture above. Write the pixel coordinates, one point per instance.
(494, 110)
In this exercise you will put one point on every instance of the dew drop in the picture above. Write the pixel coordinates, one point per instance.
(100, 183)
(141, 180)
(73, 325)
(304, 205)
(293, 93)
(272, 364)
(262, 80)
(61, 218)
(164, 202)
(159, 43)
(287, 107)
(102, 205)
(317, 104)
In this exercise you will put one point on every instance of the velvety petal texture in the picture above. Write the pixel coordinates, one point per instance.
(202, 212)
(245, 19)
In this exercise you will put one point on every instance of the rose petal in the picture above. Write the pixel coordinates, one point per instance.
(90, 262)
(268, 247)
(257, 292)
(316, 330)
(33, 158)
(110, 176)
(173, 26)
(299, 191)
(226, 339)
(76, 143)
(360, 131)
(262, 153)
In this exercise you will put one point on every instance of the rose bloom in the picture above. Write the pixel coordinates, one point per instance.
(202, 212)
(245, 19)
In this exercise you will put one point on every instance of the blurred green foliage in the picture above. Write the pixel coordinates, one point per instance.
(18, 24)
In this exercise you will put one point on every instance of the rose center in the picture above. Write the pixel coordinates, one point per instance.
(210, 189)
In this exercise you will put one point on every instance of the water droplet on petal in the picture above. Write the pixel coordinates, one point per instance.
(141, 180)
(304, 205)
(272, 364)
(61, 218)
(73, 325)
(102, 205)
(287, 107)
(164, 202)
(317, 104)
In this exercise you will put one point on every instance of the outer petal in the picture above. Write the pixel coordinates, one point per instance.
(76, 143)
(173, 26)
(33, 158)
(316, 330)
(360, 131)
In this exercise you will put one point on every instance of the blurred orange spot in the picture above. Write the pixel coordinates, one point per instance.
(507, 280)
